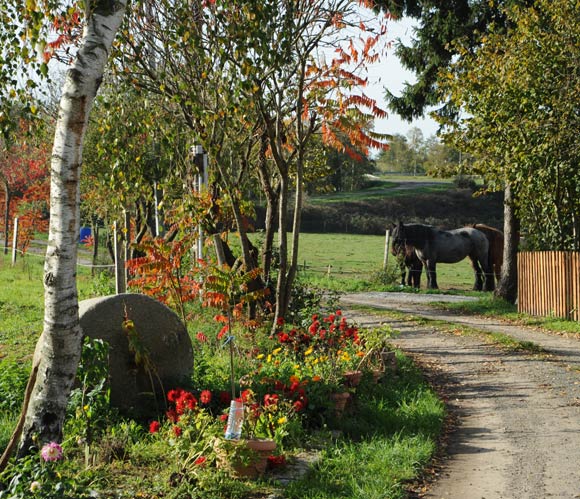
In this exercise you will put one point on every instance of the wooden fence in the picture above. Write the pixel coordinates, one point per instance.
(549, 283)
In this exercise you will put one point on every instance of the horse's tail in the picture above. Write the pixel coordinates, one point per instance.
(495, 252)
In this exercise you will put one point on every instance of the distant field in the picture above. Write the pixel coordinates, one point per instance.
(388, 186)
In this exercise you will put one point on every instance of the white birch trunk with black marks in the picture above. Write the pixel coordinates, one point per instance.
(58, 349)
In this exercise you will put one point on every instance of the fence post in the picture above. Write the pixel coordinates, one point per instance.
(127, 244)
(386, 257)
(14, 241)
(120, 284)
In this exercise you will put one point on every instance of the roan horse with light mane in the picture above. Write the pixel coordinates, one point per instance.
(434, 246)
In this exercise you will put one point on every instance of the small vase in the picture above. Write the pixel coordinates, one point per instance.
(352, 378)
(340, 400)
(252, 459)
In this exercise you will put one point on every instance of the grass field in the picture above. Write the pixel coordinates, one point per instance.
(357, 258)
(388, 186)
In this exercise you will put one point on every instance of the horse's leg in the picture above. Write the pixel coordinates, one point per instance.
(409, 275)
(416, 270)
(431, 275)
(488, 274)
(478, 286)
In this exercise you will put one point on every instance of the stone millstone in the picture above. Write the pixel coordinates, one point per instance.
(162, 335)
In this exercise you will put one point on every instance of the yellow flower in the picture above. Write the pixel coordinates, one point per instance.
(277, 351)
(260, 356)
(282, 420)
(309, 351)
(269, 359)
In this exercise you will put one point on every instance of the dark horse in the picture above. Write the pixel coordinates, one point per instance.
(411, 266)
(434, 245)
(495, 239)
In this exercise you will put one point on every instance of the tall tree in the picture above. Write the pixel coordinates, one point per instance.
(520, 92)
(59, 347)
(271, 92)
(443, 27)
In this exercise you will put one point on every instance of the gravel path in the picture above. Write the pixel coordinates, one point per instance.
(518, 432)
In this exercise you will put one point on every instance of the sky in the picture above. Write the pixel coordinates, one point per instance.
(390, 74)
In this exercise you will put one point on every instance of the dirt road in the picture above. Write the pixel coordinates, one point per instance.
(518, 415)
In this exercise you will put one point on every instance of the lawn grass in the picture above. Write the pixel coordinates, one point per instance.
(394, 424)
(354, 262)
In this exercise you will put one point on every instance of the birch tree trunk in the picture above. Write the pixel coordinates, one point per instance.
(58, 349)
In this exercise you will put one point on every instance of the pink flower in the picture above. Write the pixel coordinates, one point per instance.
(154, 426)
(51, 452)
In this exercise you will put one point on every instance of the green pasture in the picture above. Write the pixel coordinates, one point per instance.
(352, 261)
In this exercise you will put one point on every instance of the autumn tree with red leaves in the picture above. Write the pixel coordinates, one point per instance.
(24, 178)
(256, 83)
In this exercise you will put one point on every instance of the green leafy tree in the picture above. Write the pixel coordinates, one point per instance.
(254, 88)
(443, 27)
(520, 92)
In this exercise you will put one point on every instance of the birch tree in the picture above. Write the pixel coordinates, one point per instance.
(59, 347)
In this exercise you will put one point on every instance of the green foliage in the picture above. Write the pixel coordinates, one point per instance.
(519, 91)
(89, 411)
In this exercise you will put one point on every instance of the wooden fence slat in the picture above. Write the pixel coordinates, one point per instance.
(549, 283)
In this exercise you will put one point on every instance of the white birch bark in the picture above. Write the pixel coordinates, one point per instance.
(59, 347)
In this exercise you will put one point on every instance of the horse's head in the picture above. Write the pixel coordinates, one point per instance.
(398, 239)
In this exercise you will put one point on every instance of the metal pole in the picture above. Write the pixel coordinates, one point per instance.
(14, 241)
(119, 264)
(156, 197)
(200, 182)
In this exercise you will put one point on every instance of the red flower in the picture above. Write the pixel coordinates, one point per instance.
(154, 426)
(224, 417)
(270, 400)
(172, 415)
(200, 461)
(280, 321)
(205, 397)
(185, 402)
(299, 405)
(246, 396)
(338, 312)
(314, 327)
(202, 338)
(283, 337)
(177, 431)
(173, 395)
